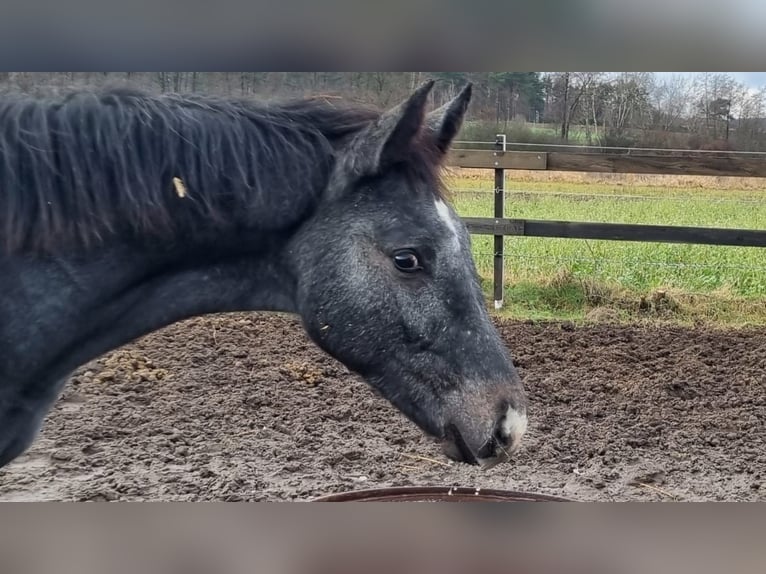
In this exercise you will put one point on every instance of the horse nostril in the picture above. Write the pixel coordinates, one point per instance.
(456, 447)
(490, 448)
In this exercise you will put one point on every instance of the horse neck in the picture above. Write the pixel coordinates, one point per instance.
(81, 307)
(235, 271)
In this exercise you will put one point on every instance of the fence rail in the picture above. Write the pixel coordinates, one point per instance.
(616, 231)
(675, 164)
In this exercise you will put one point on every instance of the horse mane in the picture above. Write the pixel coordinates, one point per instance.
(78, 168)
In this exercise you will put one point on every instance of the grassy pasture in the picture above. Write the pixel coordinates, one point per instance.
(562, 278)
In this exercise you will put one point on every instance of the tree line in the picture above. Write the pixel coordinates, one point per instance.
(709, 111)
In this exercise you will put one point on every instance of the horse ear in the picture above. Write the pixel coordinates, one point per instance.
(390, 138)
(444, 123)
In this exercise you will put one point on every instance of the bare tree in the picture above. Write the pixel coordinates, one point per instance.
(671, 98)
(572, 86)
(712, 92)
(630, 100)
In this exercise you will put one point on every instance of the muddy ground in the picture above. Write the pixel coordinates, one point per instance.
(244, 407)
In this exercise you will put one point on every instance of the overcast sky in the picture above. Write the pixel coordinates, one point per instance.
(750, 79)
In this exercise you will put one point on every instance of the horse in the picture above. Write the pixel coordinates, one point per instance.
(122, 212)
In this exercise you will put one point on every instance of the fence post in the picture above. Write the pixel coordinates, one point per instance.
(500, 145)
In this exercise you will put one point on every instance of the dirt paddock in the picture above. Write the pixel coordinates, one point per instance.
(244, 407)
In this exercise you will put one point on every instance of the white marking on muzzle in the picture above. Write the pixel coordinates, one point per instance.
(515, 426)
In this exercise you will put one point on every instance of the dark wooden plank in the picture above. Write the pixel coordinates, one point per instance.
(671, 164)
(617, 231)
(490, 159)
(668, 165)
(489, 226)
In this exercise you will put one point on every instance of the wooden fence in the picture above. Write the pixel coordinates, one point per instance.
(676, 163)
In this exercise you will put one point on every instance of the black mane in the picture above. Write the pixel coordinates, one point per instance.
(76, 169)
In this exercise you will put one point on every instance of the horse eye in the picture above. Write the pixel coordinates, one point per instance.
(406, 261)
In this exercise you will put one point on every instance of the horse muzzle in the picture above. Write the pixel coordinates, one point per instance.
(486, 444)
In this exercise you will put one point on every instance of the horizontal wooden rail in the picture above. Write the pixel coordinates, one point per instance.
(616, 231)
(487, 159)
(672, 164)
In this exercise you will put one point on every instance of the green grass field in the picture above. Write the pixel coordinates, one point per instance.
(561, 278)
(523, 132)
